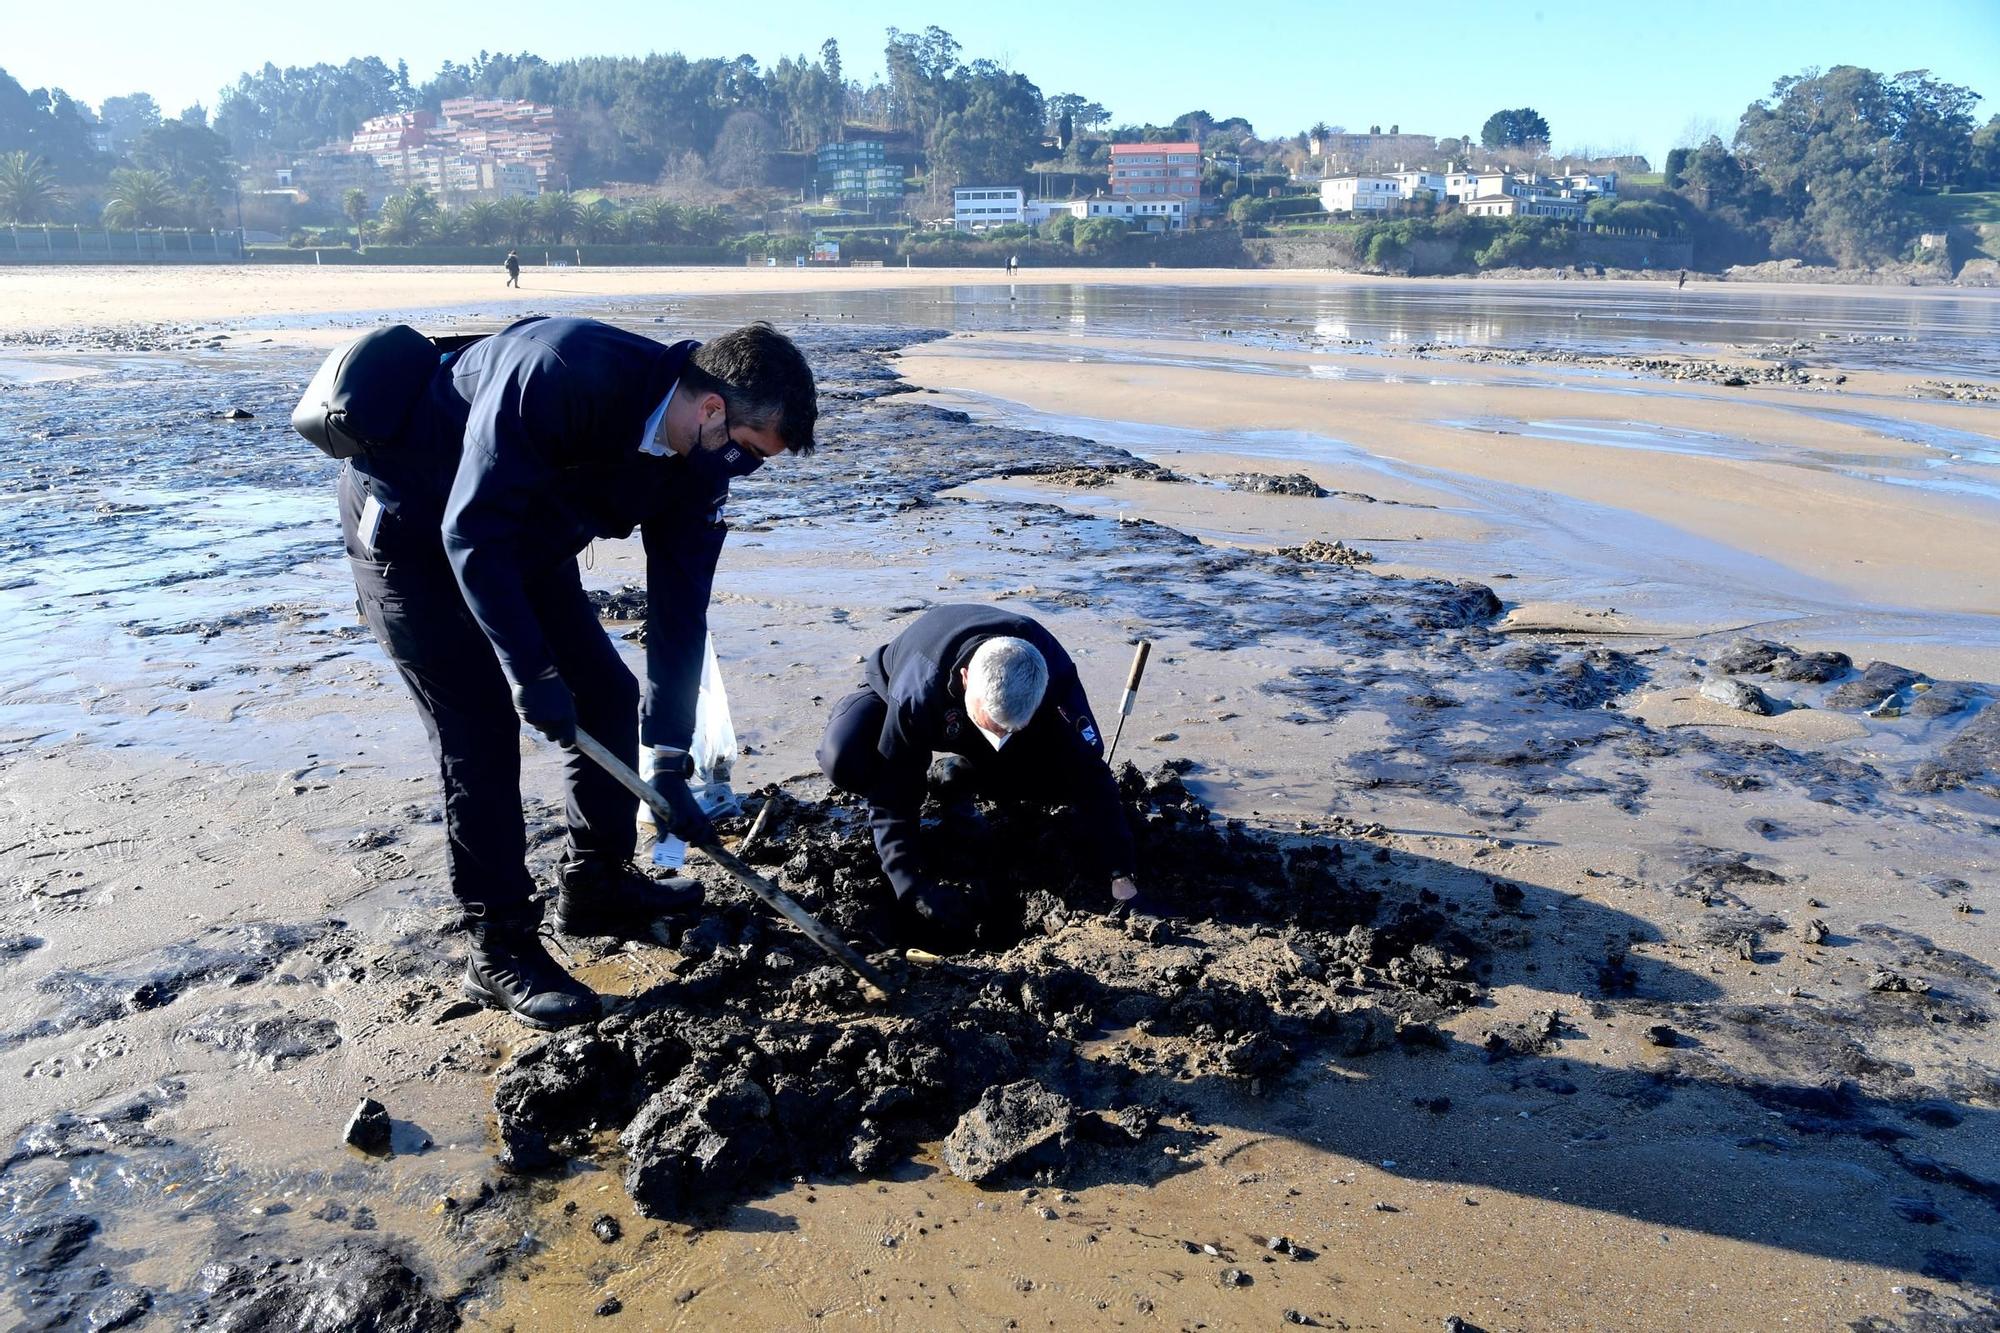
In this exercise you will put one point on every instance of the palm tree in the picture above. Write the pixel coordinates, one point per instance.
(28, 190)
(704, 226)
(655, 220)
(483, 222)
(597, 223)
(517, 218)
(139, 198)
(557, 215)
(421, 202)
(448, 225)
(402, 221)
(355, 205)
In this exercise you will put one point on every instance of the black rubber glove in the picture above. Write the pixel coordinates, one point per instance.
(690, 824)
(944, 911)
(544, 703)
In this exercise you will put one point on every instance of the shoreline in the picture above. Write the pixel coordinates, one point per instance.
(36, 299)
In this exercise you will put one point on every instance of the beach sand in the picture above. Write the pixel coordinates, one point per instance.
(209, 775)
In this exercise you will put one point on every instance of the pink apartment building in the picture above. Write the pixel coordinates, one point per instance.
(1140, 171)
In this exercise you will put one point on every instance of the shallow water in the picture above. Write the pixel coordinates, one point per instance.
(1929, 334)
(1554, 549)
(1961, 463)
(1936, 335)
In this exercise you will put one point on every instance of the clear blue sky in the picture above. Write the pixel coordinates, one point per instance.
(1604, 73)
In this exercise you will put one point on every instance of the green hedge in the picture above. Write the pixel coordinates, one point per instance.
(594, 256)
(1459, 242)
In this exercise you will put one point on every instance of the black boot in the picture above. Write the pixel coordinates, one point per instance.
(507, 968)
(600, 897)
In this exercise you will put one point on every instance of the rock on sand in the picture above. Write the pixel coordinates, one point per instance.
(1013, 1126)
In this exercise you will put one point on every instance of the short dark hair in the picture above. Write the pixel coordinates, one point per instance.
(763, 377)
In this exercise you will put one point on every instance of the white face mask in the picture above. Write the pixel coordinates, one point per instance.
(994, 736)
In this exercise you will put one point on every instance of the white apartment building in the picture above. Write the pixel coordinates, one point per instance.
(1408, 183)
(1168, 214)
(1037, 211)
(977, 207)
(1359, 194)
(1575, 185)
(1604, 185)
(1562, 208)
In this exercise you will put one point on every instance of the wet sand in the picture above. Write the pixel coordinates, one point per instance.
(48, 298)
(1824, 510)
(226, 876)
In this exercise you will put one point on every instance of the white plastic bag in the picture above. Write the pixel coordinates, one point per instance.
(714, 747)
(714, 753)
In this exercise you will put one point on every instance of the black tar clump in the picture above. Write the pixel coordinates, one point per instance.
(762, 1061)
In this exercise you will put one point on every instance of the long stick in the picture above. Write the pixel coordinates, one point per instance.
(873, 984)
(1132, 677)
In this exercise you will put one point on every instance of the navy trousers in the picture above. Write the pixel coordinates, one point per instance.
(408, 595)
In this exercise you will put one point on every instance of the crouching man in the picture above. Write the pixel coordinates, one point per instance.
(463, 541)
(1000, 698)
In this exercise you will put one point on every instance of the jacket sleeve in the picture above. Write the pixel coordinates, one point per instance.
(514, 429)
(681, 552)
(895, 807)
(1092, 787)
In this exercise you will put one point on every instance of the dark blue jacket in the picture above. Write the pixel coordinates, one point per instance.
(1060, 751)
(524, 450)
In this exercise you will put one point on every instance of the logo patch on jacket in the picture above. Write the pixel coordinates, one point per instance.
(1089, 734)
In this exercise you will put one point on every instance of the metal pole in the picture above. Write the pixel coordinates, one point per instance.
(1132, 678)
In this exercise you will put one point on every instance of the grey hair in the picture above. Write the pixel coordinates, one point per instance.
(1008, 677)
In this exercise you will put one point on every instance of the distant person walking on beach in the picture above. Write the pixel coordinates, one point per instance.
(513, 269)
(1013, 265)
(1683, 280)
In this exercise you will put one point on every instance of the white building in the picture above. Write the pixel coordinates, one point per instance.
(1603, 185)
(1561, 208)
(1359, 194)
(1580, 185)
(1410, 183)
(977, 207)
(1461, 185)
(1168, 214)
(1037, 211)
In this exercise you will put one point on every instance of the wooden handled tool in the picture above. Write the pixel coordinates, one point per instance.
(1132, 677)
(874, 985)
